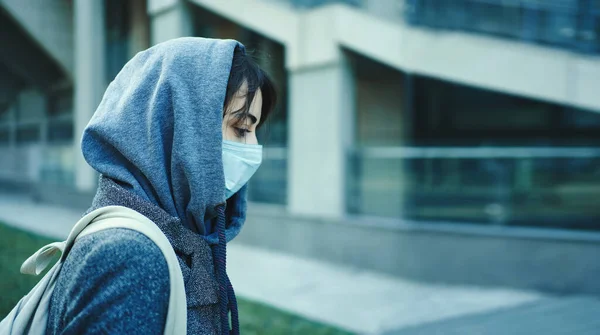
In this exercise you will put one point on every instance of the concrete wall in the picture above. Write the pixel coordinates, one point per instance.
(50, 23)
(551, 261)
(507, 66)
(279, 23)
(321, 120)
(90, 79)
(169, 19)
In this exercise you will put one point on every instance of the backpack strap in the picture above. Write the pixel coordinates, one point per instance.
(122, 217)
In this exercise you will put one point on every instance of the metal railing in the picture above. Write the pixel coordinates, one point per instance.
(317, 3)
(478, 152)
(557, 187)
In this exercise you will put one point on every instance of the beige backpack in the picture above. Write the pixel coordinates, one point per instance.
(30, 315)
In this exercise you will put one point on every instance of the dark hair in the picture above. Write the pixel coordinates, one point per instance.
(244, 69)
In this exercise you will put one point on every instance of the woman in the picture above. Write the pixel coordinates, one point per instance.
(173, 139)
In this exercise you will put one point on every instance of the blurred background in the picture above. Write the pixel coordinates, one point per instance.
(444, 142)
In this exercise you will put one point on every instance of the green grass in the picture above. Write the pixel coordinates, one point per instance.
(255, 318)
(15, 247)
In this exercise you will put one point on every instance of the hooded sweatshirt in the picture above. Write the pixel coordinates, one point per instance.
(156, 141)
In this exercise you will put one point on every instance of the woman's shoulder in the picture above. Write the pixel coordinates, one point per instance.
(111, 273)
(116, 237)
(121, 253)
(116, 245)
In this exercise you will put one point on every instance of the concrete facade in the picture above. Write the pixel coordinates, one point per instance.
(526, 69)
(313, 40)
(528, 258)
(321, 103)
(324, 96)
(169, 19)
(50, 23)
(89, 78)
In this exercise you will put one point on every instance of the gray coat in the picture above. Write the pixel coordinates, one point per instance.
(116, 281)
(156, 140)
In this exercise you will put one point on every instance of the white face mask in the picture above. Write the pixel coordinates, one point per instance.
(240, 162)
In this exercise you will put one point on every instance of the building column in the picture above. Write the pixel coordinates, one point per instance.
(169, 19)
(322, 117)
(90, 81)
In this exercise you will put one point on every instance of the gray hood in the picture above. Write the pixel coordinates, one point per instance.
(157, 132)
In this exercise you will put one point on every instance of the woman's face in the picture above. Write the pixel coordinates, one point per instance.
(244, 131)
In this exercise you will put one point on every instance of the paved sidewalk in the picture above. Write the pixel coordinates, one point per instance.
(361, 301)
(52, 221)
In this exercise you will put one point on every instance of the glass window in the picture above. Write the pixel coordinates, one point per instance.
(451, 114)
(571, 24)
(31, 106)
(475, 156)
(60, 131)
(58, 164)
(4, 135)
(28, 134)
(118, 25)
(379, 103)
(60, 104)
(5, 113)
(60, 117)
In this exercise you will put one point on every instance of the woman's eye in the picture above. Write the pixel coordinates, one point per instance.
(241, 132)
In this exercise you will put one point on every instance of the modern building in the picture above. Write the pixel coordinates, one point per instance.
(448, 141)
